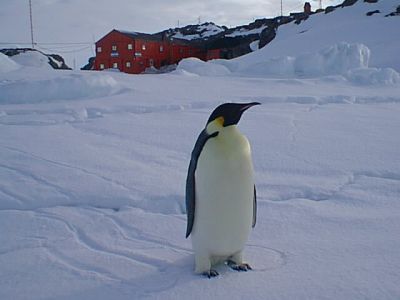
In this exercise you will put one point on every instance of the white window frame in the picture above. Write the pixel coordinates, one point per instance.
(99, 49)
(115, 65)
(130, 46)
(128, 64)
(143, 46)
(102, 66)
(161, 48)
(114, 47)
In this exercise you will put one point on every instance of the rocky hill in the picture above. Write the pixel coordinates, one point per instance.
(54, 60)
(235, 41)
(240, 40)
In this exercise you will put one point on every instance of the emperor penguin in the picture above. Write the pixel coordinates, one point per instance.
(221, 202)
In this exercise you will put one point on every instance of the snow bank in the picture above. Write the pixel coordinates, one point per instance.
(199, 67)
(373, 76)
(70, 87)
(348, 60)
(337, 59)
(32, 59)
(7, 64)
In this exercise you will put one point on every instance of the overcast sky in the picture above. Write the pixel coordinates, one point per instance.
(76, 21)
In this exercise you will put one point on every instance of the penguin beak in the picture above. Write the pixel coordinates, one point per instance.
(246, 106)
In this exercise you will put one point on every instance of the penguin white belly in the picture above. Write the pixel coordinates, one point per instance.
(224, 196)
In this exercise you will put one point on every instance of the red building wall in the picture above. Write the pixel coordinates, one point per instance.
(134, 55)
(213, 54)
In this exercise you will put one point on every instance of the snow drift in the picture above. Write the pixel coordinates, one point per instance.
(197, 66)
(32, 59)
(7, 64)
(348, 60)
(67, 87)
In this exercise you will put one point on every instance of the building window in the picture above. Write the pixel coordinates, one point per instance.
(143, 47)
(130, 46)
(115, 65)
(114, 47)
(151, 62)
(161, 48)
(128, 64)
(101, 66)
(98, 49)
(114, 54)
(138, 54)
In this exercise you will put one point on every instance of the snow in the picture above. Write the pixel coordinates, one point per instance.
(7, 64)
(254, 45)
(204, 30)
(67, 86)
(92, 190)
(196, 66)
(349, 24)
(347, 60)
(93, 168)
(244, 31)
(32, 59)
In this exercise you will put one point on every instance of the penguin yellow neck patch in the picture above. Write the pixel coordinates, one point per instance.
(220, 121)
(216, 125)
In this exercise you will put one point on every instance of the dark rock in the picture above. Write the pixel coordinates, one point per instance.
(348, 2)
(370, 13)
(61, 62)
(267, 35)
(89, 65)
(395, 13)
(371, 1)
(329, 9)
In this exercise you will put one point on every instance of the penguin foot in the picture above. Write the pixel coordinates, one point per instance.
(238, 267)
(211, 273)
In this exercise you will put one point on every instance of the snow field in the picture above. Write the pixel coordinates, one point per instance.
(93, 167)
(92, 189)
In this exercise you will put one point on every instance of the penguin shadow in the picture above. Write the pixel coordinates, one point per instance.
(172, 274)
(168, 275)
(263, 259)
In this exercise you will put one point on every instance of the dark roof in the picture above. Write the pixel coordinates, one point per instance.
(140, 35)
(158, 37)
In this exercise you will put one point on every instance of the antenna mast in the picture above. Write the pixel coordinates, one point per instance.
(30, 15)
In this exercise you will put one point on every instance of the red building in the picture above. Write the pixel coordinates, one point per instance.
(133, 52)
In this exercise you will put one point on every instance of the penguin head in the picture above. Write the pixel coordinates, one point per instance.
(227, 114)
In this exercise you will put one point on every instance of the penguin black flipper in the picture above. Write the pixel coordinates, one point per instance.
(190, 180)
(254, 208)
